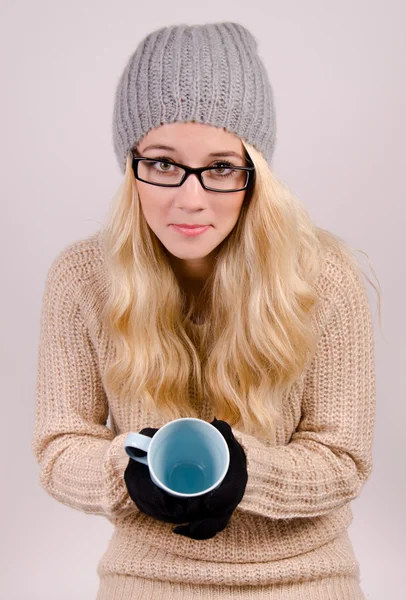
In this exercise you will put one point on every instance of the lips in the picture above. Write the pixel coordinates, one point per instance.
(189, 226)
(191, 231)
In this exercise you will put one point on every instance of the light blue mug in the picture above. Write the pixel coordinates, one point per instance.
(186, 457)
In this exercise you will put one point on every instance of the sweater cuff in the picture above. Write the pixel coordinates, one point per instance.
(117, 461)
(256, 482)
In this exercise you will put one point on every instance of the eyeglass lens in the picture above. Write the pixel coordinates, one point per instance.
(217, 178)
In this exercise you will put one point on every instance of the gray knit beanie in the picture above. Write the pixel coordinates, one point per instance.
(205, 73)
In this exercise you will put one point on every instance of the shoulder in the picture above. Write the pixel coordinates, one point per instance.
(75, 265)
(339, 268)
(344, 275)
(340, 287)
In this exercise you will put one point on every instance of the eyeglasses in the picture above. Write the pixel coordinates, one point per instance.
(230, 179)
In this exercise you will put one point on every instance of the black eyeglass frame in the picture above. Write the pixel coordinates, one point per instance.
(189, 170)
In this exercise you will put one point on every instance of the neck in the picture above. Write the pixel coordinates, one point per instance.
(192, 275)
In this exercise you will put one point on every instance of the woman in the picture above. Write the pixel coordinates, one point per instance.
(260, 324)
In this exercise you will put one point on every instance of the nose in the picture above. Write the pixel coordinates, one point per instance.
(191, 192)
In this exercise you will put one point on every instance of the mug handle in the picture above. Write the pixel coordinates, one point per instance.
(139, 441)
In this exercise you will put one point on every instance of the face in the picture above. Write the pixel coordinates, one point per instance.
(192, 144)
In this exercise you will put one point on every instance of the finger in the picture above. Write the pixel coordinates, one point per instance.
(149, 431)
(153, 502)
(224, 428)
(194, 509)
(137, 470)
(203, 529)
(235, 448)
(231, 491)
(137, 452)
(151, 499)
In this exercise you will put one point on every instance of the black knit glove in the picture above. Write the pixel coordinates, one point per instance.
(206, 515)
(149, 498)
(214, 509)
(153, 500)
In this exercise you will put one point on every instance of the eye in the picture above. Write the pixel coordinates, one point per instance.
(222, 166)
(162, 162)
(156, 163)
(223, 163)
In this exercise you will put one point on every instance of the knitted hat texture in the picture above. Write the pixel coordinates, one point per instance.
(207, 73)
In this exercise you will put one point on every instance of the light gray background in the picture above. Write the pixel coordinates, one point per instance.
(338, 72)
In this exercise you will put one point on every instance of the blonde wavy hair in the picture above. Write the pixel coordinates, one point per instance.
(257, 335)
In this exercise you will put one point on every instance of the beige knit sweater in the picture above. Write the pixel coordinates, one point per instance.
(287, 539)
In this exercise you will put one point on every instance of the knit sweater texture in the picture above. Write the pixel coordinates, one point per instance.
(288, 538)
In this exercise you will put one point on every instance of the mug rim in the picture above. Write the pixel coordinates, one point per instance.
(214, 485)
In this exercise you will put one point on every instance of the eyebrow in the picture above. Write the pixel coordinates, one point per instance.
(170, 149)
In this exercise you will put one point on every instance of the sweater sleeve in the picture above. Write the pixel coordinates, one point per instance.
(329, 456)
(81, 462)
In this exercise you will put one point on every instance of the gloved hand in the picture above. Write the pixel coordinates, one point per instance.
(206, 515)
(149, 498)
(215, 508)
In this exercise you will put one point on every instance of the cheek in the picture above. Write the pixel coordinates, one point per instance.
(153, 207)
(230, 209)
